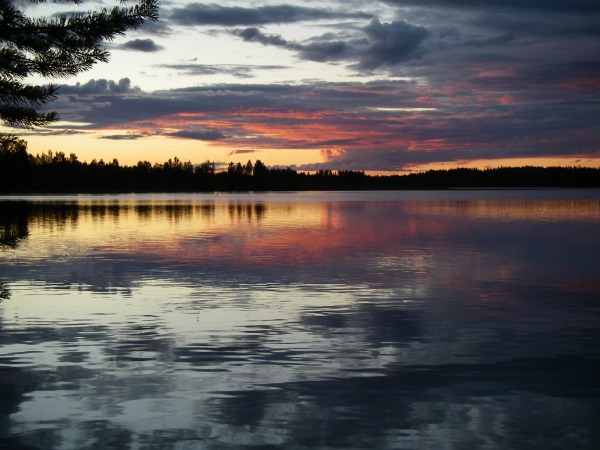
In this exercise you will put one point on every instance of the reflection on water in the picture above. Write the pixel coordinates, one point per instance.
(301, 320)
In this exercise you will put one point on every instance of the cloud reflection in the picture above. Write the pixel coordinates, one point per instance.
(247, 322)
(111, 246)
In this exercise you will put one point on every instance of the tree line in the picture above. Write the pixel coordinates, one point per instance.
(55, 172)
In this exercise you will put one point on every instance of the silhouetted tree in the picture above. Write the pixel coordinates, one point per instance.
(260, 174)
(206, 168)
(248, 168)
(205, 176)
(259, 169)
(14, 163)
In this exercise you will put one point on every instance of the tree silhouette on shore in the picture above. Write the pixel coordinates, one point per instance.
(55, 172)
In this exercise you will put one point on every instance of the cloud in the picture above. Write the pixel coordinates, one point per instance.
(141, 45)
(213, 14)
(390, 43)
(205, 135)
(124, 137)
(100, 86)
(238, 71)
(52, 131)
(157, 28)
(462, 113)
(486, 22)
(382, 44)
(253, 34)
(571, 6)
(241, 152)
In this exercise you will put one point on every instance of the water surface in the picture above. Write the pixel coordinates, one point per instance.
(400, 320)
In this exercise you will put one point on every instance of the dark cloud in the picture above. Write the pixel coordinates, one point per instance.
(158, 28)
(213, 14)
(511, 29)
(390, 43)
(124, 137)
(383, 44)
(572, 6)
(101, 86)
(484, 24)
(205, 135)
(253, 34)
(240, 152)
(141, 45)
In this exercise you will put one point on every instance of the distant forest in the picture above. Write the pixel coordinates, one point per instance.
(21, 172)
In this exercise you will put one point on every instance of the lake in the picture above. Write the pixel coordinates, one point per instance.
(300, 320)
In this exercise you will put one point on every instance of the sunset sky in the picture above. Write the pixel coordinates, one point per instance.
(390, 85)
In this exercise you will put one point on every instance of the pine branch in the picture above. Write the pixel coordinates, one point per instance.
(26, 117)
(21, 95)
(55, 48)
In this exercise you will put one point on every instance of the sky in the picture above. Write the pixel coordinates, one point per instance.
(381, 86)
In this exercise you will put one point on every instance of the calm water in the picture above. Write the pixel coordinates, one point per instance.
(379, 320)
